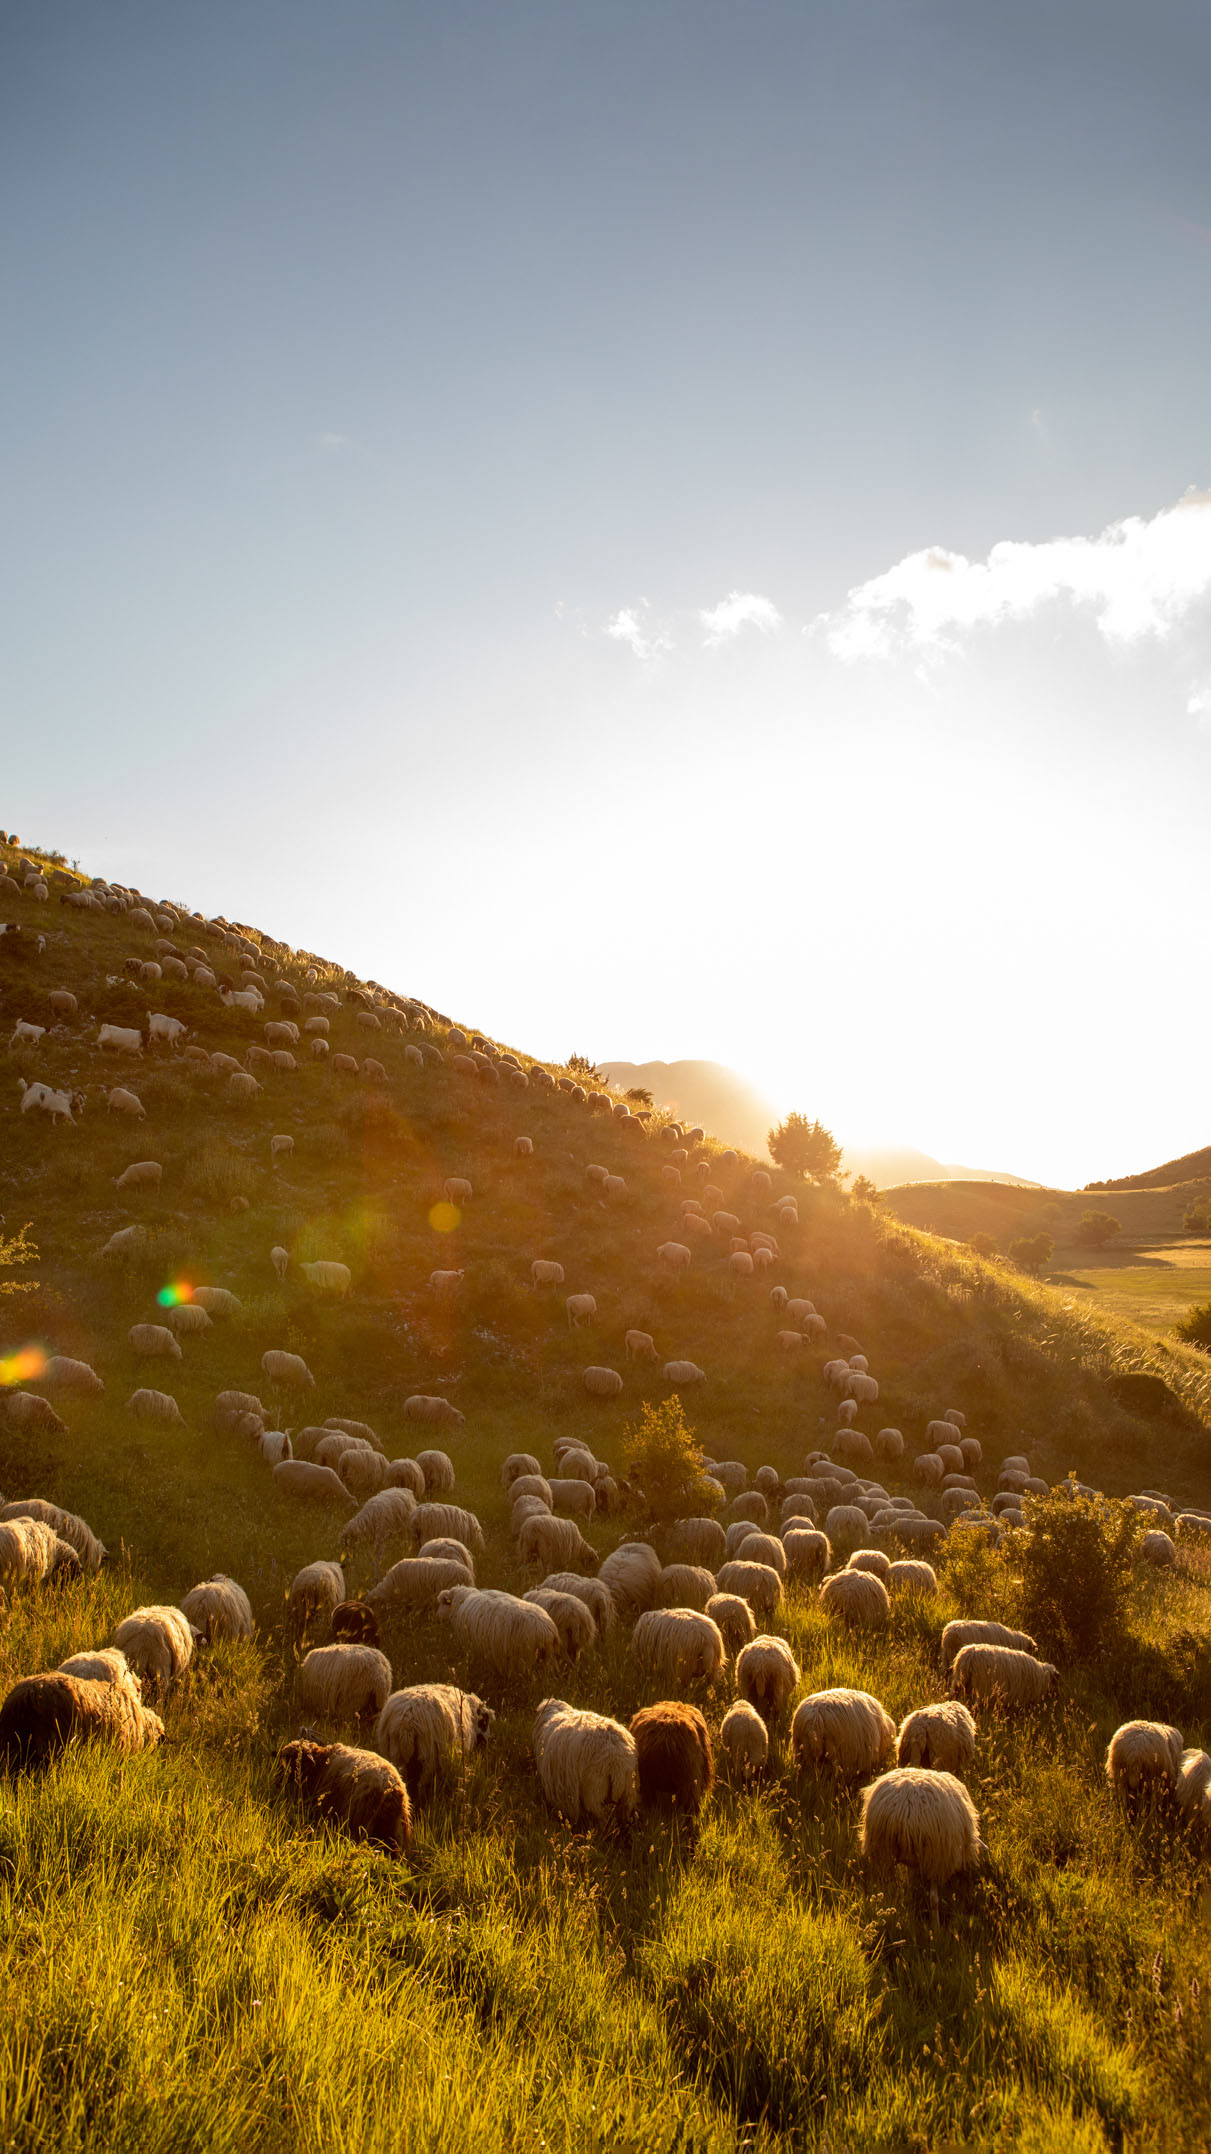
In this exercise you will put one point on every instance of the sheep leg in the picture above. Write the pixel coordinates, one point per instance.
(933, 1908)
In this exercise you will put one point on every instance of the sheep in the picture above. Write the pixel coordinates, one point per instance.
(428, 1729)
(757, 1583)
(64, 1525)
(187, 1320)
(437, 1468)
(151, 1341)
(361, 1791)
(761, 1548)
(158, 1406)
(422, 1407)
(218, 1609)
(678, 1645)
(388, 1515)
(530, 1484)
(553, 1543)
(767, 1675)
(302, 1477)
(447, 1550)
(231, 1407)
(280, 1260)
(911, 1576)
(105, 1664)
(120, 1039)
(44, 1713)
(602, 1383)
(25, 1410)
(63, 1374)
(685, 1585)
(405, 1473)
(925, 1820)
(673, 1754)
(314, 1593)
(451, 1521)
(573, 1498)
(640, 1346)
(509, 1635)
(1158, 1548)
(344, 1682)
(581, 1308)
(353, 1623)
(1143, 1751)
(870, 1559)
(517, 1465)
(588, 1768)
(545, 1272)
(572, 1619)
(596, 1597)
(675, 1257)
(1194, 1787)
(523, 1147)
(808, 1552)
(857, 1597)
(446, 1283)
(456, 1189)
(288, 1369)
(1002, 1673)
(698, 1541)
(416, 1583)
(143, 1174)
(846, 1526)
(966, 1631)
(632, 1574)
(847, 1730)
(938, 1738)
(31, 1552)
(745, 1740)
(126, 1242)
(328, 1276)
(120, 1101)
(158, 1643)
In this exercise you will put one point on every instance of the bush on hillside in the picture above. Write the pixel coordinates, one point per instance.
(866, 1191)
(983, 1245)
(1074, 1559)
(1196, 1219)
(1030, 1252)
(16, 1249)
(804, 1149)
(1195, 1326)
(587, 1072)
(1094, 1229)
(664, 1459)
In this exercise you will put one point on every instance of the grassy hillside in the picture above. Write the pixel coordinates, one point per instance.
(1191, 1167)
(186, 1960)
(960, 1209)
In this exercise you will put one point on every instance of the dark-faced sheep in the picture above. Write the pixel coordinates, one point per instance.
(673, 1748)
(363, 1792)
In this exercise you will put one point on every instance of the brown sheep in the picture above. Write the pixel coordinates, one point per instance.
(44, 1713)
(360, 1790)
(353, 1623)
(673, 1747)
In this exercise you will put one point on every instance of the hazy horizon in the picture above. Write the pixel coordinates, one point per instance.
(668, 532)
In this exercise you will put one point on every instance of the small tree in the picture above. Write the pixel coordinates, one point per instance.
(1031, 1252)
(864, 1189)
(1195, 1326)
(984, 1245)
(805, 1149)
(1196, 1219)
(664, 1459)
(16, 1249)
(1094, 1229)
(1074, 1562)
(587, 1071)
(640, 1094)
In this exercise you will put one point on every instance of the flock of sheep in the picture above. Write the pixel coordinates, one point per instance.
(701, 1614)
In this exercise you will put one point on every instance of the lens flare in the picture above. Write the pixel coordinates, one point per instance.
(172, 1295)
(22, 1367)
(444, 1218)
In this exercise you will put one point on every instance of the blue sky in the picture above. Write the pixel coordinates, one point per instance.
(394, 395)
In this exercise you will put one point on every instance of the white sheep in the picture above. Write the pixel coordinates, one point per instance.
(158, 1643)
(511, 1636)
(733, 1618)
(416, 1583)
(938, 1738)
(572, 1619)
(632, 1574)
(683, 1372)
(1157, 1547)
(126, 1242)
(445, 1284)
(587, 1766)
(450, 1521)
(288, 1369)
(388, 1515)
(31, 1552)
(745, 1740)
(105, 1664)
(678, 1645)
(423, 1407)
(280, 1260)
(328, 1276)
(675, 1257)
(153, 1341)
(303, 1477)
(158, 1406)
(545, 1272)
(1143, 1751)
(1194, 1787)
(120, 1101)
(218, 1608)
(429, 1729)
(602, 1383)
(685, 1585)
(755, 1547)
(969, 1631)
(698, 1541)
(911, 1575)
(552, 1543)
(924, 1820)
(808, 1552)
(581, 1308)
(757, 1583)
(847, 1730)
(437, 1468)
(767, 1675)
(597, 1598)
(143, 1174)
(573, 1498)
(1003, 1674)
(64, 1524)
(63, 1374)
(517, 1464)
(344, 1682)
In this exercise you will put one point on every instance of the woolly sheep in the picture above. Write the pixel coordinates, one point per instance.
(438, 1470)
(144, 1174)
(1157, 1547)
(216, 1300)
(24, 1409)
(685, 1585)
(574, 1622)
(751, 1506)
(808, 1552)
(857, 1597)
(187, 1321)
(219, 1608)
(846, 1526)
(683, 1372)
(405, 1473)
(422, 1407)
(120, 1101)
(428, 1729)
(673, 1753)
(767, 1675)
(545, 1272)
(156, 1406)
(126, 1241)
(443, 1549)
(968, 1631)
(596, 1597)
(553, 1543)
(674, 1256)
(518, 1464)
(302, 1477)
(745, 1740)
(388, 1516)
(911, 1576)
(1143, 1751)
(1194, 1787)
(581, 1308)
(587, 1765)
(152, 1340)
(632, 1574)
(451, 1521)
(924, 1820)
(344, 1682)
(870, 1559)
(640, 1346)
(288, 1369)
(64, 1525)
(359, 1790)
(328, 1276)
(602, 1383)
(847, 1730)
(938, 1738)
(105, 1664)
(1003, 1673)
(280, 1260)
(63, 1374)
(530, 1484)
(314, 1592)
(158, 1643)
(763, 1548)
(31, 1553)
(757, 1583)
(43, 1713)
(699, 1541)
(678, 1645)
(446, 1283)
(573, 1498)
(416, 1583)
(509, 1635)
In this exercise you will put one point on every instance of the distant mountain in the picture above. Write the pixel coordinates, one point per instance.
(731, 1108)
(1191, 1167)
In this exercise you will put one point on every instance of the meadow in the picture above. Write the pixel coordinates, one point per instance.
(187, 1960)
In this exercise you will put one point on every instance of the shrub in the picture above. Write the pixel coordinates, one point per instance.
(663, 1458)
(1195, 1326)
(1196, 1219)
(983, 1245)
(805, 1149)
(1094, 1229)
(1074, 1562)
(1031, 1251)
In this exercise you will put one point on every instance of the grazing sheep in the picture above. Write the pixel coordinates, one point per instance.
(588, 1769)
(449, 1521)
(762, 1548)
(745, 1740)
(889, 1443)
(126, 1242)
(640, 1346)
(858, 1597)
(966, 1631)
(678, 1645)
(518, 1465)
(733, 1618)
(553, 1543)
(144, 1174)
(529, 1484)
(152, 1341)
(674, 1256)
(673, 1753)
(1156, 1547)
(929, 1469)
(545, 1272)
(120, 1101)
(328, 1276)
(1194, 1787)
(573, 1498)
(911, 1575)
(581, 1308)
(808, 1552)
(847, 1730)
(511, 1636)
(44, 1713)
(187, 1321)
(572, 1619)
(685, 1585)
(596, 1596)
(438, 1470)
(216, 1300)
(1143, 1751)
(428, 1730)
(288, 1369)
(422, 1407)
(602, 1383)
(218, 1609)
(925, 1820)
(359, 1790)
(64, 1524)
(870, 1559)
(344, 1682)
(353, 1623)
(938, 1738)
(315, 1592)
(699, 1541)
(450, 1551)
(31, 1553)
(757, 1583)
(303, 1477)
(105, 1664)
(683, 1372)
(1003, 1674)
(158, 1643)
(767, 1675)
(280, 1260)
(416, 1583)
(389, 1515)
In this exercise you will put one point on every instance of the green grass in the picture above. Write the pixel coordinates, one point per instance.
(186, 1961)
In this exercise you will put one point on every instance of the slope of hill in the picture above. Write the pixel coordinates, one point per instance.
(187, 1959)
(1191, 1167)
(1006, 1210)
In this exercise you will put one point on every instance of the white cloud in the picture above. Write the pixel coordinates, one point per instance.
(334, 441)
(627, 627)
(1141, 578)
(740, 609)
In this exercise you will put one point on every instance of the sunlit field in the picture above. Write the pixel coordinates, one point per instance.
(1155, 1286)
